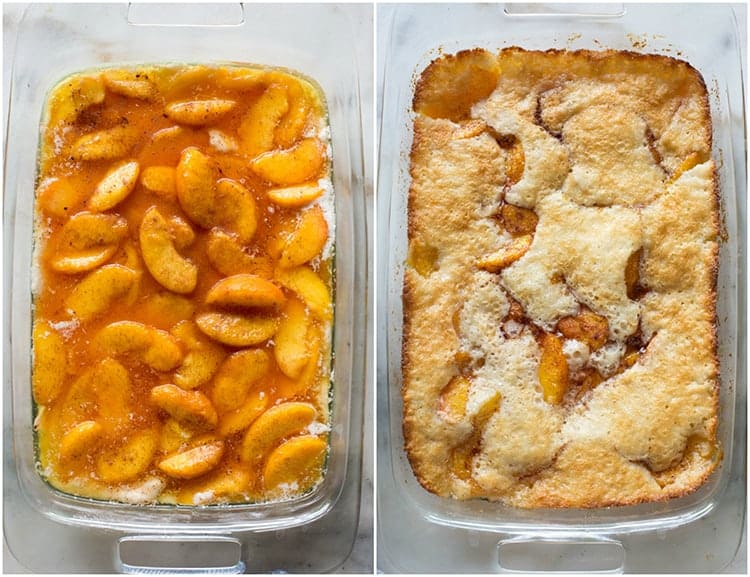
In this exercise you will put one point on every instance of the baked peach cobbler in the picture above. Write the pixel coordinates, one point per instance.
(182, 311)
(559, 341)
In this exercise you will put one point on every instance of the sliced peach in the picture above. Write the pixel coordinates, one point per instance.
(193, 462)
(79, 441)
(241, 418)
(86, 241)
(553, 369)
(291, 351)
(199, 112)
(302, 99)
(113, 387)
(295, 196)
(201, 361)
(295, 165)
(168, 307)
(422, 258)
(58, 197)
(633, 274)
(73, 96)
(160, 180)
(129, 83)
(691, 161)
(236, 377)
(195, 179)
(309, 287)
(241, 78)
(170, 269)
(174, 436)
(518, 221)
(118, 183)
(225, 253)
(174, 82)
(507, 255)
(237, 330)
(245, 290)
(307, 240)
(157, 348)
(50, 363)
(129, 460)
(453, 398)
(257, 127)
(191, 408)
(588, 327)
(228, 481)
(235, 209)
(106, 144)
(289, 388)
(274, 425)
(298, 461)
(98, 290)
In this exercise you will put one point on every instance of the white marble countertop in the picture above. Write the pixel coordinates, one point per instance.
(361, 557)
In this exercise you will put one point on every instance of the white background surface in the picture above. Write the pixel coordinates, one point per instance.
(361, 559)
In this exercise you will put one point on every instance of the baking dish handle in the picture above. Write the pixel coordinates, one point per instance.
(179, 554)
(600, 10)
(560, 554)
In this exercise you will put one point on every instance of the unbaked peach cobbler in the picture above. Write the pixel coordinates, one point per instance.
(183, 285)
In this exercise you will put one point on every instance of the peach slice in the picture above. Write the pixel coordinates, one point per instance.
(98, 290)
(302, 100)
(289, 388)
(168, 307)
(453, 398)
(307, 240)
(174, 436)
(292, 351)
(241, 418)
(309, 287)
(182, 232)
(79, 441)
(237, 330)
(224, 482)
(553, 369)
(50, 363)
(58, 197)
(102, 392)
(289, 166)
(170, 269)
(73, 97)
(423, 258)
(241, 78)
(86, 241)
(193, 462)
(518, 221)
(295, 196)
(236, 376)
(257, 127)
(106, 144)
(129, 460)
(507, 255)
(156, 348)
(201, 361)
(235, 209)
(588, 327)
(297, 461)
(226, 255)
(191, 408)
(118, 183)
(160, 180)
(245, 290)
(130, 84)
(275, 424)
(199, 112)
(195, 179)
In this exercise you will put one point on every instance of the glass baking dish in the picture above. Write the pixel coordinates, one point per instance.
(75, 38)
(481, 536)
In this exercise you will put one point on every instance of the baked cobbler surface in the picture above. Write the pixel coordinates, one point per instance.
(559, 345)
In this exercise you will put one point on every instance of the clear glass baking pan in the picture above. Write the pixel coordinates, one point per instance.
(57, 40)
(477, 535)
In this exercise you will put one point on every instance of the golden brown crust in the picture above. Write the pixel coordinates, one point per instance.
(606, 183)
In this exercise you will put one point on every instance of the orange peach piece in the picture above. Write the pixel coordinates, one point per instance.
(156, 348)
(191, 408)
(170, 269)
(202, 359)
(245, 290)
(303, 100)
(174, 436)
(86, 241)
(98, 290)
(588, 327)
(193, 462)
(453, 398)
(309, 287)
(298, 461)
(79, 441)
(130, 83)
(274, 425)
(307, 240)
(160, 180)
(237, 330)
(235, 209)
(58, 197)
(74, 96)
(553, 370)
(295, 196)
(289, 388)
(291, 347)
(236, 377)
(199, 112)
(129, 460)
(226, 255)
(195, 179)
(108, 144)
(257, 127)
(50, 363)
(301, 163)
(241, 418)
(118, 183)
(507, 255)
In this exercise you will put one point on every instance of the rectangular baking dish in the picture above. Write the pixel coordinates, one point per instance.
(73, 38)
(412, 36)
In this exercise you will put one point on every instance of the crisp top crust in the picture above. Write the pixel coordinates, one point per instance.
(559, 295)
